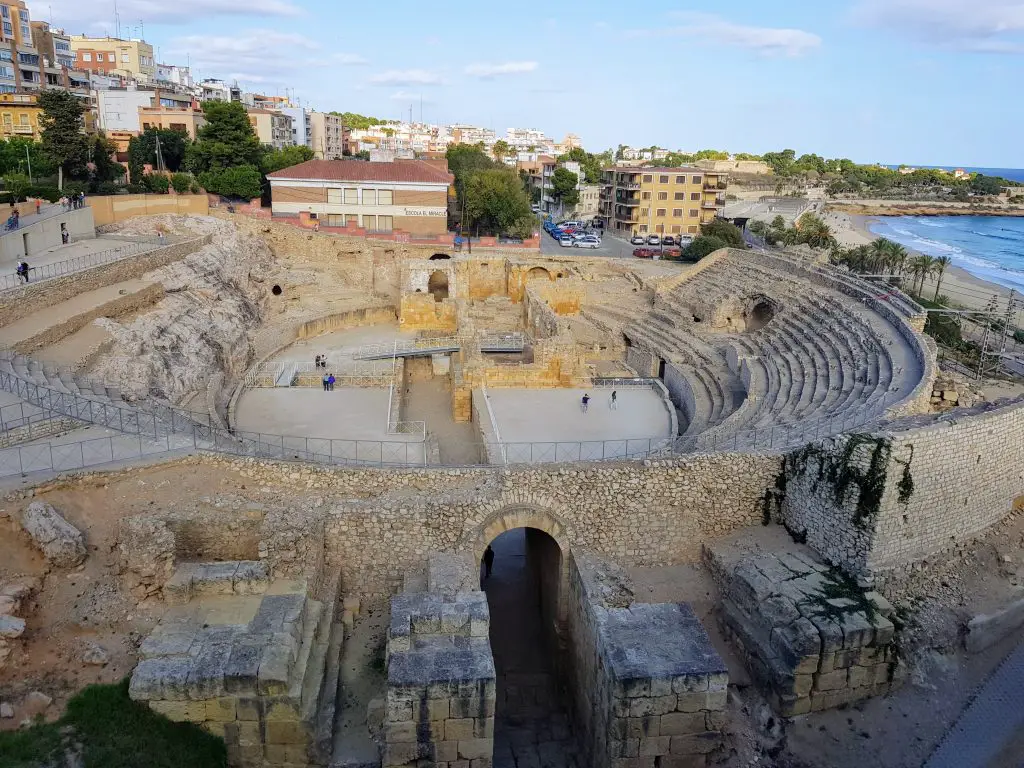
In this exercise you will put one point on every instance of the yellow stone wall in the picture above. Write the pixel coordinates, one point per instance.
(419, 312)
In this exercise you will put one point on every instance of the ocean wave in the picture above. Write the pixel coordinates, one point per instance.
(925, 223)
(1016, 239)
(975, 261)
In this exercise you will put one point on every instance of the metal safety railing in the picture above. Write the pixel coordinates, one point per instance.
(76, 264)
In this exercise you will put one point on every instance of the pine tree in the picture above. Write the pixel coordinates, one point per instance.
(63, 138)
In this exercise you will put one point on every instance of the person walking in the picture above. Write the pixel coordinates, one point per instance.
(488, 561)
(330, 383)
(39, 206)
(613, 401)
(325, 382)
(585, 402)
(22, 270)
(316, 362)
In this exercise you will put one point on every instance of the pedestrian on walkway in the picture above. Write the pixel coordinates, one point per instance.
(326, 382)
(39, 205)
(488, 561)
(330, 383)
(316, 362)
(22, 270)
(613, 401)
(585, 402)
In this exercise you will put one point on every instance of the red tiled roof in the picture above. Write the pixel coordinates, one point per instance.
(410, 171)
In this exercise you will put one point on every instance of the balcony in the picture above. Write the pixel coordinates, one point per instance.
(715, 203)
(26, 130)
(628, 201)
(634, 185)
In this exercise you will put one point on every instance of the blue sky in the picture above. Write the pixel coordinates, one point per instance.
(915, 81)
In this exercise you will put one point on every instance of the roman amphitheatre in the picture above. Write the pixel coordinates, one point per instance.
(737, 544)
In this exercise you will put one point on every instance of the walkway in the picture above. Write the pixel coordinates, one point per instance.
(984, 732)
(531, 728)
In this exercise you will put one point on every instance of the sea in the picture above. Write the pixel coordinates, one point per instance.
(1010, 174)
(988, 247)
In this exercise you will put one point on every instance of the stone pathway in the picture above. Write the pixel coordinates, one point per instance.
(984, 730)
(531, 728)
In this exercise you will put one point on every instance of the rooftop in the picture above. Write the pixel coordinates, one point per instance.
(657, 169)
(361, 170)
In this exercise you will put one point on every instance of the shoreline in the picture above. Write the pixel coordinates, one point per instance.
(958, 284)
(889, 208)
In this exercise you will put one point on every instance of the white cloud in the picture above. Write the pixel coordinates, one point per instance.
(253, 56)
(406, 77)
(488, 71)
(76, 15)
(765, 41)
(985, 26)
(348, 59)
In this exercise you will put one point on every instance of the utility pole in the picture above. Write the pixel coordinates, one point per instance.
(29, 160)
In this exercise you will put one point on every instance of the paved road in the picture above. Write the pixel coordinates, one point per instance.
(993, 722)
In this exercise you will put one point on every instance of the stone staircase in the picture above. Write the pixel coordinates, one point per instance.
(253, 659)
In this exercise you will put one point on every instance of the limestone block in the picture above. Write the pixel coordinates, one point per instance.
(214, 728)
(830, 681)
(178, 588)
(472, 749)
(251, 578)
(213, 578)
(60, 542)
(445, 751)
(396, 733)
(696, 744)
(796, 641)
(459, 729)
(248, 708)
(281, 711)
(652, 706)
(682, 723)
(169, 640)
(275, 666)
(690, 683)
(858, 631)
(180, 711)
(284, 732)
(653, 746)
(439, 709)
(161, 678)
(885, 631)
(206, 678)
(11, 627)
(859, 676)
(641, 727)
(624, 747)
(241, 671)
(222, 709)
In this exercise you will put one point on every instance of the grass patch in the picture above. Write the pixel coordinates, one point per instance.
(114, 732)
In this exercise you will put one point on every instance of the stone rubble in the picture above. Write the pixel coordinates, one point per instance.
(61, 543)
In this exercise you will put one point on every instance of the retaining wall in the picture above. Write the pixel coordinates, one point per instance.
(110, 209)
(39, 236)
(33, 297)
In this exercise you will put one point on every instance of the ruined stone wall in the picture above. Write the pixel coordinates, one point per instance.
(483, 276)
(881, 502)
(352, 319)
(539, 318)
(419, 311)
(20, 302)
(644, 363)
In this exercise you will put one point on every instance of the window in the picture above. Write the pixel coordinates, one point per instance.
(659, 228)
(645, 195)
(8, 29)
(677, 213)
(691, 229)
(5, 54)
(334, 219)
(351, 219)
(680, 179)
(694, 213)
(663, 179)
(648, 178)
(351, 196)
(676, 229)
(385, 223)
(5, 11)
(695, 195)
(384, 197)
(23, 118)
(660, 213)
(696, 179)
(645, 212)
(7, 119)
(679, 196)
(663, 195)
(110, 57)
(369, 222)
(369, 197)
(334, 196)
(26, 33)
(125, 57)
(86, 56)
(643, 228)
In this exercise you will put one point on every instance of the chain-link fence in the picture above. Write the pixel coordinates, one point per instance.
(76, 264)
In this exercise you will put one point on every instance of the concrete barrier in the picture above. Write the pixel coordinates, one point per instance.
(38, 236)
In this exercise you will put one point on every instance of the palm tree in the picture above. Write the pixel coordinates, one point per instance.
(921, 267)
(881, 253)
(939, 267)
(898, 257)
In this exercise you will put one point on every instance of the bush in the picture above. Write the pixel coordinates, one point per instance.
(701, 246)
(181, 182)
(156, 183)
(46, 193)
(725, 231)
(73, 188)
(242, 181)
(107, 188)
(135, 189)
(195, 189)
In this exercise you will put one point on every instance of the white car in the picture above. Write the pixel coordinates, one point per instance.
(653, 240)
(565, 241)
(637, 240)
(587, 242)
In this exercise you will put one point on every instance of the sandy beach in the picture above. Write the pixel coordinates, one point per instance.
(958, 284)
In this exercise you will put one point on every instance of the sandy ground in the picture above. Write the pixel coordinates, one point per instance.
(554, 414)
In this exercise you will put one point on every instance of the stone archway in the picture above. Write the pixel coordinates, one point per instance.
(517, 516)
(539, 273)
(439, 257)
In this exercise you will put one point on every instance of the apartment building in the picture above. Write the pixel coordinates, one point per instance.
(328, 136)
(112, 55)
(217, 90)
(272, 127)
(180, 77)
(302, 125)
(187, 119)
(672, 201)
(406, 195)
(471, 134)
(589, 206)
(118, 109)
(19, 115)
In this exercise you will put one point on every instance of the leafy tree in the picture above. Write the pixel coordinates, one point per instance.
(711, 154)
(591, 165)
(62, 138)
(986, 185)
(677, 159)
(242, 181)
(464, 162)
(501, 150)
(142, 150)
(701, 246)
(226, 141)
(18, 185)
(781, 163)
(758, 227)
(355, 121)
(814, 232)
(17, 152)
(725, 231)
(102, 168)
(276, 159)
(779, 222)
(563, 183)
(496, 202)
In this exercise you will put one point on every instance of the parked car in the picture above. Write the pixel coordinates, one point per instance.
(668, 240)
(587, 242)
(565, 241)
(643, 253)
(637, 240)
(653, 240)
